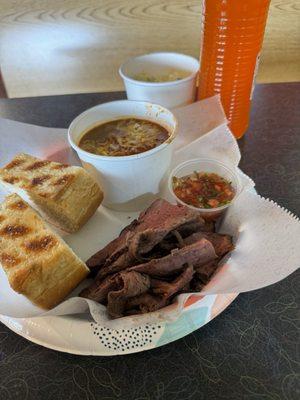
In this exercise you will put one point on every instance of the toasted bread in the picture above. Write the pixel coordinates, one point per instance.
(37, 262)
(68, 195)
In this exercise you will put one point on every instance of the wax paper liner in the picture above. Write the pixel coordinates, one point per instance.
(266, 236)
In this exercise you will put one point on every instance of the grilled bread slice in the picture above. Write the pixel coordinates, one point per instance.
(37, 262)
(68, 195)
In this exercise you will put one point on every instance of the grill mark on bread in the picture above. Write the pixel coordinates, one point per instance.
(42, 244)
(44, 194)
(60, 166)
(63, 180)
(14, 163)
(11, 180)
(39, 180)
(36, 165)
(15, 230)
(2, 218)
(19, 205)
(7, 260)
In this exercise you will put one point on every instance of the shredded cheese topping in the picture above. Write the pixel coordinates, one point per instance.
(123, 137)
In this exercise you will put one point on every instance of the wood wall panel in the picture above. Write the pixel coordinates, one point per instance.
(72, 46)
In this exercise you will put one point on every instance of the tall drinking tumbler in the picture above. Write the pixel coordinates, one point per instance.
(232, 36)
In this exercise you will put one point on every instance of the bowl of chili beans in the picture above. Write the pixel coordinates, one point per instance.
(205, 185)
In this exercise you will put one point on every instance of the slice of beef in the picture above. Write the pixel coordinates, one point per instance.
(162, 221)
(168, 289)
(98, 259)
(197, 226)
(163, 248)
(222, 243)
(105, 273)
(118, 265)
(196, 284)
(186, 288)
(152, 226)
(171, 241)
(203, 274)
(133, 284)
(197, 253)
(206, 270)
(119, 245)
(158, 216)
(98, 291)
(210, 226)
(145, 303)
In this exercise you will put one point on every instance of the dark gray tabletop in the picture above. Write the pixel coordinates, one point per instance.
(251, 351)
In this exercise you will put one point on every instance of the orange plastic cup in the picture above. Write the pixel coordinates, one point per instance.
(232, 36)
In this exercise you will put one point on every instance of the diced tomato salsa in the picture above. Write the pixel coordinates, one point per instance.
(203, 190)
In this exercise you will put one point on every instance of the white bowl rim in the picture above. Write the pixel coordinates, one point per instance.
(121, 158)
(212, 160)
(191, 76)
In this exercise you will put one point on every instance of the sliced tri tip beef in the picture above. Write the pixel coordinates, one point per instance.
(161, 221)
(170, 241)
(99, 259)
(151, 228)
(98, 291)
(118, 246)
(198, 253)
(222, 243)
(162, 294)
(123, 284)
(168, 250)
(168, 289)
(133, 284)
(145, 303)
(196, 226)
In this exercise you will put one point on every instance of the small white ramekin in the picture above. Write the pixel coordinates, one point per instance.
(211, 166)
(168, 94)
(129, 182)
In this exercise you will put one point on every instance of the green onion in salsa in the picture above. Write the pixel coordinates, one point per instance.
(203, 190)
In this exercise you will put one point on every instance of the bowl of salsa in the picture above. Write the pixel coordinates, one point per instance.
(205, 185)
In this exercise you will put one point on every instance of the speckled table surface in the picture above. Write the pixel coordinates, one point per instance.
(251, 351)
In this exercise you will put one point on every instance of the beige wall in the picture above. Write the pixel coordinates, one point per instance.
(57, 46)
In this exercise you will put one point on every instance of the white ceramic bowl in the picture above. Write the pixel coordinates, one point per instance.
(168, 94)
(206, 165)
(129, 182)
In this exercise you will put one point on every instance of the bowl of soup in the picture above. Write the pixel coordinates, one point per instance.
(127, 146)
(164, 78)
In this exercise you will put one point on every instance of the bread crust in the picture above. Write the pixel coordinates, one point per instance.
(68, 195)
(37, 262)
